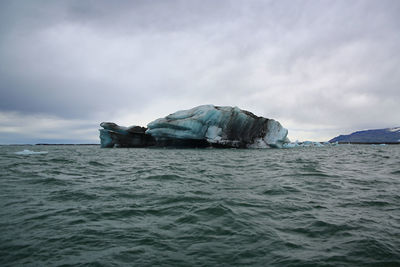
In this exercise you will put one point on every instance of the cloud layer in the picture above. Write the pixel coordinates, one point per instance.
(319, 67)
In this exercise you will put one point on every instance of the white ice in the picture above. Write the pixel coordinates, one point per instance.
(30, 152)
(308, 144)
(394, 129)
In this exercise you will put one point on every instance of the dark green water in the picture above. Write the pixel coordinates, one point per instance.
(82, 205)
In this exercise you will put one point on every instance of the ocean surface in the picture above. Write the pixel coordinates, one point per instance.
(306, 206)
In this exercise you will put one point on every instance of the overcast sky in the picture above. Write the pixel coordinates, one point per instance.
(321, 68)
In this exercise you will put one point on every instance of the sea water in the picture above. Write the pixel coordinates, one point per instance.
(316, 206)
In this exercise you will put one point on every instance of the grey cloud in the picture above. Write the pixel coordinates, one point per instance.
(320, 63)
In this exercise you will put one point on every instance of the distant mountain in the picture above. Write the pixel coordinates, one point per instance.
(388, 135)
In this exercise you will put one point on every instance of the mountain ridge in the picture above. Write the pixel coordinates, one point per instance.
(386, 135)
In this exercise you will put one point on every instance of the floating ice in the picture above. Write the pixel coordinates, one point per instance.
(114, 135)
(308, 144)
(201, 126)
(30, 152)
(291, 145)
(218, 126)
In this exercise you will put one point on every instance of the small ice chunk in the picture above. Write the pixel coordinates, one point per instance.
(394, 129)
(30, 152)
(307, 143)
(290, 145)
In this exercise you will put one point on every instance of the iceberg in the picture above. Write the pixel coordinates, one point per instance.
(114, 135)
(201, 126)
(217, 126)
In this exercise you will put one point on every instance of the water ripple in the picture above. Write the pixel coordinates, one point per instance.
(82, 205)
